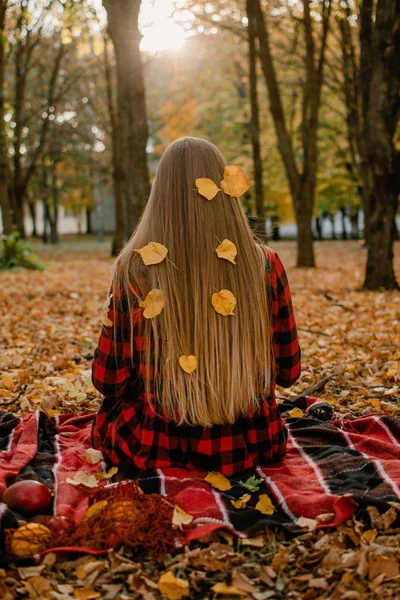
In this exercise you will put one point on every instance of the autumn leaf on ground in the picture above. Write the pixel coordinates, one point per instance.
(227, 590)
(219, 481)
(235, 182)
(152, 304)
(207, 187)
(81, 478)
(188, 363)
(153, 253)
(180, 517)
(227, 250)
(93, 456)
(309, 524)
(241, 502)
(104, 312)
(224, 302)
(173, 587)
(252, 483)
(8, 382)
(264, 505)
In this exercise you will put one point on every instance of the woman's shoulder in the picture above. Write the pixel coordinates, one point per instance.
(272, 262)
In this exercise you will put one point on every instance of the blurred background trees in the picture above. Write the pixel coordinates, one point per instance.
(304, 95)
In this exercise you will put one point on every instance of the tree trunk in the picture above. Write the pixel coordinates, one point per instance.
(124, 32)
(4, 166)
(304, 213)
(32, 210)
(118, 169)
(89, 228)
(380, 92)
(255, 125)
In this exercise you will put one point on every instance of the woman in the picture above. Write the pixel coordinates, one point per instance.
(194, 341)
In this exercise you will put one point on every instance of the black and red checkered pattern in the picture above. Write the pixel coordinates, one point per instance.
(131, 434)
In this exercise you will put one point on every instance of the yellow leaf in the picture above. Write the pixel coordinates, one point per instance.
(81, 478)
(231, 590)
(87, 593)
(153, 253)
(173, 587)
(104, 312)
(224, 302)
(180, 517)
(235, 182)
(264, 505)
(95, 509)
(113, 471)
(188, 363)
(8, 382)
(219, 481)
(152, 304)
(207, 187)
(241, 502)
(296, 413)
(227, 250)
(309, 524)
(93, 456)
(369, 536)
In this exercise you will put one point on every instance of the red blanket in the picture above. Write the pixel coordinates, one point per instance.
(334, 467)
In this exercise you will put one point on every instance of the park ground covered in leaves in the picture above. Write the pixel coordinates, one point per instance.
(50, 327)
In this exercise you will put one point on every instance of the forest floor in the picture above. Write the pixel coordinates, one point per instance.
(51, 316)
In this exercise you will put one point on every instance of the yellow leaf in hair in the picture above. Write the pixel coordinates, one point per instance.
(224, 302)
(153, 253)
(152, 304)
(219, 481)
(207, 187)
(227, 250)
(264, 505)
(235, 182)
(188, 363)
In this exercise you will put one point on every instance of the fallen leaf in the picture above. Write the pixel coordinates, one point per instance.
(296, 413)
(235, 182)
(379, 564)
(87, 593)
(264, 505)
(207, 187)
(227, 250)
(180, 517)
(252, 483)
(100, 475)
(8, 382)
(93, 456)
(280, 559)
(95, 509)
(309, 524)
(224, 302)
(106, 321)
(241, 502)
(222, 588)
(325, 517)
(153, 253)
(257, 542)
(188, 363)
(218, 481)
(82, 478)
(152, 304)
(38, 587)
(369, 536)
(173, 587)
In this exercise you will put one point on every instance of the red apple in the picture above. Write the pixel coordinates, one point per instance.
(28, 497)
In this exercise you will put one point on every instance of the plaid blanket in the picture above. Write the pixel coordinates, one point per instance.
(332, 467)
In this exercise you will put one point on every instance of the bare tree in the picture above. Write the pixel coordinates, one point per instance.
(132, 119)
(302, 181)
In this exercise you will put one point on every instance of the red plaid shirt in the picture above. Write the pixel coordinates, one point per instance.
(129, 432)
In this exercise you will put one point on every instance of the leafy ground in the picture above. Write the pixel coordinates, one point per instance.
(50, 326)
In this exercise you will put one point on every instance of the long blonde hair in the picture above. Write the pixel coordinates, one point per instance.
(233, 353)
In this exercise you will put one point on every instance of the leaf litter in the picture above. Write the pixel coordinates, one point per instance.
(50, 328)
